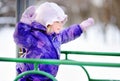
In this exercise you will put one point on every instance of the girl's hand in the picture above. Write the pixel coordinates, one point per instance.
(28, 15)
(87, 23)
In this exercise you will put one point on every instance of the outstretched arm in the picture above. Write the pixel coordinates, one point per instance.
(75, 31)
(86, 24)
(70, 33)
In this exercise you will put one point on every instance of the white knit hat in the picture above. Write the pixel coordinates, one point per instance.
(49, 12)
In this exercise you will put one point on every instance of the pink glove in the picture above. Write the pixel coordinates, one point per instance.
(28, 15)
(87, 23)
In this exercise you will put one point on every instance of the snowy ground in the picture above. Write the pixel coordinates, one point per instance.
(7, 49)
(94, 42)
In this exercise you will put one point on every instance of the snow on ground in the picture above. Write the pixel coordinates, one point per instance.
(7, 49)
(94, 42)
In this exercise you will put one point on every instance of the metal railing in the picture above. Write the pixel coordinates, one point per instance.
(65, 61)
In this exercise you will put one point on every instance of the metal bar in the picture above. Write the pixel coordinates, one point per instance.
(30, 2)
(20, 7)
(66, 56)
(86, 72)
(35, 72)
(58, 62)
(92, 53)
(64, 62)
(35, 66)
(102, 80)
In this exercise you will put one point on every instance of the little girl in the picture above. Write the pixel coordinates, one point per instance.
(39, 35)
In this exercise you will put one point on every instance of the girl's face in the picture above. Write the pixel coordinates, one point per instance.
(55, 27)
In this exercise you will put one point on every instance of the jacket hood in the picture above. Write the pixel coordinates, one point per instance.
(38, 26)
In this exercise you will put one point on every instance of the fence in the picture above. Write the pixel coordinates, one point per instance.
(65, 61)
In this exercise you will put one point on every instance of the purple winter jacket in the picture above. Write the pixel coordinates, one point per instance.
(38, 44)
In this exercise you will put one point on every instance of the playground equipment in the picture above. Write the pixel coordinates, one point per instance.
(65, 61)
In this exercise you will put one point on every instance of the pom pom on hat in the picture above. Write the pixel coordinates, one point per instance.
(49, 12)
